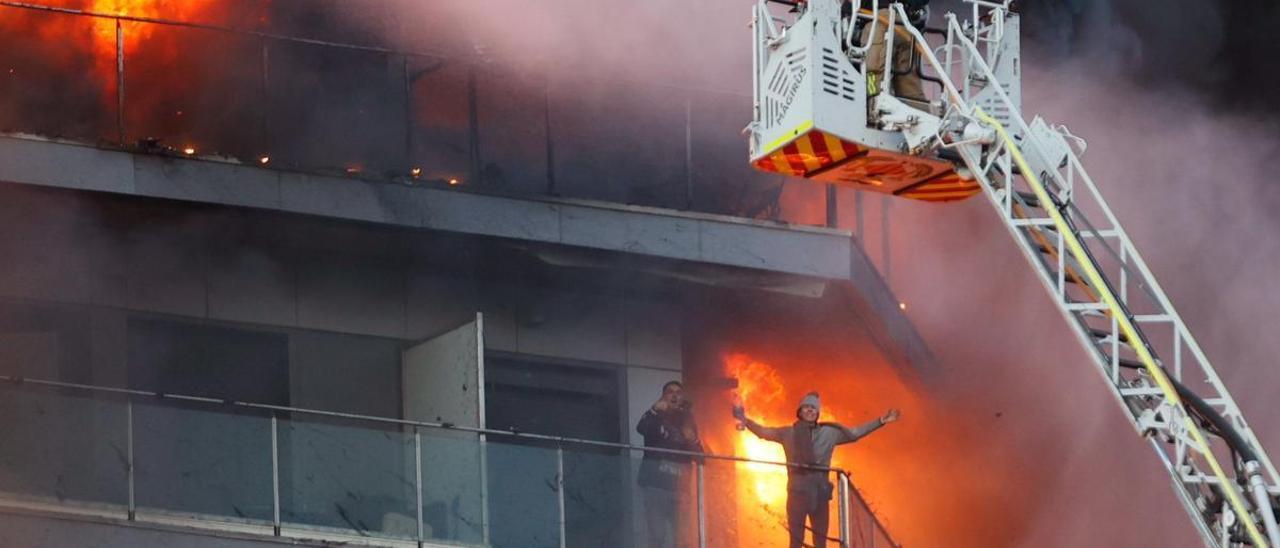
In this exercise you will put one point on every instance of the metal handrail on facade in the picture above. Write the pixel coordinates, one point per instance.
(848, 493)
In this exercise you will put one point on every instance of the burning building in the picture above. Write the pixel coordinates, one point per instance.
(275, 269)
(405, 273)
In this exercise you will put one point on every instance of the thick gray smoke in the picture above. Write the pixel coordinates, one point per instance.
(672, 42)
(1220, 50)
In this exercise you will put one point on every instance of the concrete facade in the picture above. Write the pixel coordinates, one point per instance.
(337, 277)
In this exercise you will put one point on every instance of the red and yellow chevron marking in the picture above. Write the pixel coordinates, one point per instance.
(807, 153)
(944, 188)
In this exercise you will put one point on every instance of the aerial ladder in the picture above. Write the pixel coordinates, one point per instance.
(818, 114)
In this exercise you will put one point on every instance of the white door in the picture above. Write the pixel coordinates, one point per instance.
(444, 383)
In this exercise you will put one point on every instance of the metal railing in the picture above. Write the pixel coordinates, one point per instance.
(667, 145)
(306, 473)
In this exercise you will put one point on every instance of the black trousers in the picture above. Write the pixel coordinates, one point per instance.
(813, 506)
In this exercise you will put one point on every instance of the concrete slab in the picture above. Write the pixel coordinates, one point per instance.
(671, 237)
(210, 182)
(596, 225)
(770, 248)
(41, 162)
(489, 215)
(347, 199)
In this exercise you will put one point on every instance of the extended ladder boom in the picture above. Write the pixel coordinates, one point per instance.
(1033, 177)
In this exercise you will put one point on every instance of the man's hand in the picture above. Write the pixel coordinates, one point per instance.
(890, 416)
(661, 406)
(739, 413)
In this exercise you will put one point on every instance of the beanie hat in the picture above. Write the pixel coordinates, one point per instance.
(810, 399)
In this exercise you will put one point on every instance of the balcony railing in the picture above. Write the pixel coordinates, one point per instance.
(422, 118)
(306, 474)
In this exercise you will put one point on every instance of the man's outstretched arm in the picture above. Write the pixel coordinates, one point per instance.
(761, 431)
(850, 435)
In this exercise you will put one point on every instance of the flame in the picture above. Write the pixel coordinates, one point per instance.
(138, 35)
(760, 388)
(770, 391)
(168, 69)
(928, 478)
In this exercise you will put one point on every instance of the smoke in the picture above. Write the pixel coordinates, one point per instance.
(673, 42)
(1218, 50)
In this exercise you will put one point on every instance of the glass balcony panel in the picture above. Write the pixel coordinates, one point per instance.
(57, 75)
(452, 478)
(63, 447)
(598, 490)
(441, 121)
(193, 459)
(524, 509)
(620, 141)
(347, 477)
(194, 89)
(664, 512)
(352, 121)
(511, 112)
(746, 504)
(864, 530)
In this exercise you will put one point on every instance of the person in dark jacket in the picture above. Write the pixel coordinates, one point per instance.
(810, 442)
(664, 477)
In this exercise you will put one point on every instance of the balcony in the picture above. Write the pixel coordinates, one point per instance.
(424, 113)
(214, 467)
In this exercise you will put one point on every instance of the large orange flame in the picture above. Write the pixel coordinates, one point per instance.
(175, 80)
(759, 388)
(137, 35)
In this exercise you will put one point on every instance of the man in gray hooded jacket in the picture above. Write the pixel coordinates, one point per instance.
(810, 442)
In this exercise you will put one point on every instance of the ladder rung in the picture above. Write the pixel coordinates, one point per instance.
(1144, 391)
(1217, 402)
(1029, 198)
(1130, 364)
(1105, 334)
(1086, 307)
(1105, 233)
